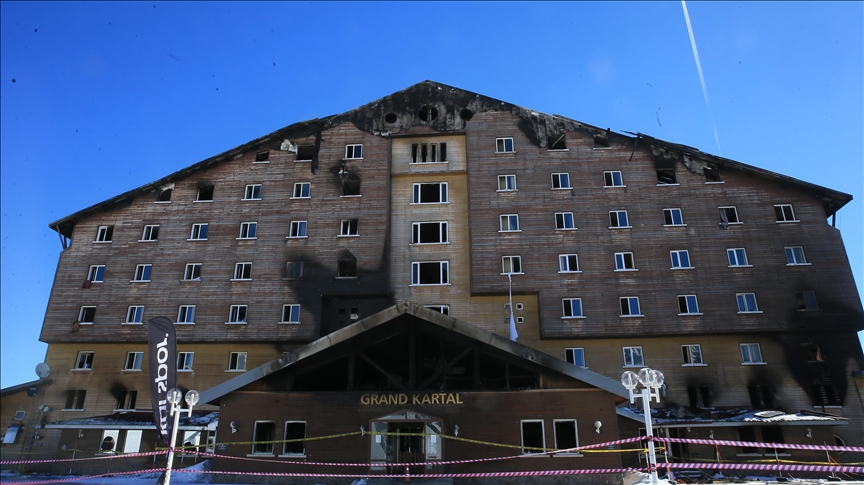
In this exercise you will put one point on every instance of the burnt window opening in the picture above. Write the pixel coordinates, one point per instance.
(466, 114)
(127, 399)
(824, 395)
(700, 397)
(390, 118)
(427, 113)
(811, 352)
(601, 141)
(806, 300)
(532, 436)
(305, 153)
(164, 196)
(747, 433)
(205, 193)
(428, 152)
(666, 176)
(557, 142)
(75, 399)
(262, 156)
(711, 173)
(262, 437)
(761, 396)
(294, 430)
(773, 434)
(347, 268)
(350, 187)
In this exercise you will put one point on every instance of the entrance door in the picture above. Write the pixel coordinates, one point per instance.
(406, 445)
(405, 437)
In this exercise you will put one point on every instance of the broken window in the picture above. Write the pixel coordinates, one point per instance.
(509, 223)
(347, 268)
(134, 361)
(564, 221)
(572, 308)
(445, 309)
(96, 273)
(84, 361)
(237, 314)
(633, 357)
(747, 434)
(350, 187)
(556, 142)
(290, 313)
(75, 399)
(624, 262)
(430, 273)
(294, 269)
(687, 305)
(135, 314)
(504, 145)
(298, 229)
(427, 113)
(142, 272)
(568, 263)
(243, 271)
(511, 265)
(205, 194)
(128, 399)
(737, 257)
(506, 183)
(192, 272)
(692, 354)
(295, 433)
(429, 233)
(751, 354)
(428, 152)
(566, 436)
(700, 397)
(613, 179)
(561, 181)
(784, 213)
(248, 230)
(673, 217)
(186, 314)
(109, 441)
(728, 215)
(151, 233)
(199, 232)
(86, 315)
(263, 437)
(253, 192)
(164, 196)
(353, 151)
(806, 300)
(104, 233)
(680, 259)
(666, 176)
(430, 193)
(262, 156)
(773, 434)
(618, 219)
(812, 352)
(795, 256)
(712, 175)
(237, 361)
(575, 356)
(305, 153)
(348, 227)
(301, 190)
(630, 306)
(533, 437)
(825, 395)
(601, 141)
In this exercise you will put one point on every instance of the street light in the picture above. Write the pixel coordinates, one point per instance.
(652, 381)
(173, 398)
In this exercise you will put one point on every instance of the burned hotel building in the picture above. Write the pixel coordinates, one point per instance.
(355, 271)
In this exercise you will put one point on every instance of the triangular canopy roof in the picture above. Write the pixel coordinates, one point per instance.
(398, 112)
(380, 326)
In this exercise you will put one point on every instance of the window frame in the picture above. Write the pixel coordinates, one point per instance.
(725, 209)
(104, 234)
(134, 361)
(268, 447)
(433, 152)
(96, 273)
(188, 360)
(185, 316)
(293, 312)
(238, 315)
(293, 270)
(443, 309)
(748, 358)
(615, 221)
(75, 399)
(443, 272)
(137, 316)
(689, 359)
(506, 222)
(417, 193)
(298, 230)
(299, 188)
(443, 231)
(564, 261)
(206, 188)
(801, 297)
(739, 253)
(563, 220)
(507, 178)
(570, 356)
(349, 228)
(621, 260)
(501, 145)
(355, 152)
(252, 192)
(795, 256)
(84, 360)
(675, 254)
(262, 157)
(512, 259)
(82, 312)
(567, 306)
(150, 233)
(743, 301)
(609, 180)
(189, 271)
(522, 423)
(630, 302)
(286, 439)
(114, 435)
(781, 215)
(142, 271)
(688, 301)
(195, 233)
(558, 180)
(242, 271)
(575, 432)
(669, 217)
(633, 352)
(247, 228)
(237, 361)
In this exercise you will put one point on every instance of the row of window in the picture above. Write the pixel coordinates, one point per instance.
(186, 314)
(135, 362)
(691, 354)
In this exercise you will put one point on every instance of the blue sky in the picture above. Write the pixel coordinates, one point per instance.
(99, 98)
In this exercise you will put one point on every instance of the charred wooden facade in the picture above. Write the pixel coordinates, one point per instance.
(622, 251)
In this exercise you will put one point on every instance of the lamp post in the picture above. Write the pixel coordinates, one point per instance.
(173, 397)
(652, 381)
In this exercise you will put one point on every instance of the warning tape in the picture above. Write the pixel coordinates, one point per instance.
(296, 440)
(753, 444)
(62, 460)
(79, 478)
(759, 466)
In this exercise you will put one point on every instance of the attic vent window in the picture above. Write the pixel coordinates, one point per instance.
(164, 196)
(304, 153)
(262, 157)
(557, 142)
(466, 114)
(601, 141)
(666, 176)
(427, 113)
(390, 118)
(205, 194)
(712, 175)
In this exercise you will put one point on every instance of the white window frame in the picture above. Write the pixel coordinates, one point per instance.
(747, 351)
(795, 256)
(298, 230)
(444, 309)
(522, 435)
(134, 315)
(188, 360)
(569, 311)
(349, 228)
(104, 234)
(134, 361)
(675, 257)
(83, 311)
(610, 181)
(509, 223)
(236, 362)
(443, 193)
(562, 180)
(96, 273)
(564, 263)
(354, 152)
(563, 226)
(114, 434)
(190, 270)
(501, 145)
(285, 437)
(621, 260)
(689, 303)
(743, 300)
(84, 360)
(185, 315)
(293, 270)
(247, 228)
(242, 271)
(293, 313)
(555, 432)
(570, 356)
(511, 262)
(195, 234)
(629, 310)
(443, 231)
(142, 270)
(615, 220)
(784, 213)
(738, 254)
(269, 448)
(669, 216)
(132, 442)
(237, 315)
(634, 351)
(150, 233)
(691, 355)
(444, 273)
(252, 192)
(725, 209)
(299, 188)
(505, 182)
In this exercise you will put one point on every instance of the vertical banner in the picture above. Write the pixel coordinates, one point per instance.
(162, 359)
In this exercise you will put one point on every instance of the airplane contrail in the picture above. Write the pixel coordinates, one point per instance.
(701, 76)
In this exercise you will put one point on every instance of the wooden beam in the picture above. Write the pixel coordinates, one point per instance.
(377, 367)
(444, 369)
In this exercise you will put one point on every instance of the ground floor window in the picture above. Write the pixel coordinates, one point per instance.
(566, 435)
(265, 433)
(533, 437)
(109, 441)
(294, 430)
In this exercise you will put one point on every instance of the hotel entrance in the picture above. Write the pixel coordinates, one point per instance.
(405, 437)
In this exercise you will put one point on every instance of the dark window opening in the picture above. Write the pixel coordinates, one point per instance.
(761, 396)
(806, 300)
(305, 152)
(705, 393)
(557, 142)
(265, 433)
(262, 156)
(824, 395)
(711, 173)
(565, 435)
(87, 314)
(295, 431)
(812, 352)
(429, 233)
(108, 444)
(532, 436)
(390, 118)
(466, 114)
(773, 434)
(351, 187)
(127, 399)
(75, 399)
(728, 215)
(205, 193)
(294, 269)
(427, 113)
(164, 196)
(347, 268)
(666, 176)
(601, 141)
(747, 433)
(105, 233)
(700, 397)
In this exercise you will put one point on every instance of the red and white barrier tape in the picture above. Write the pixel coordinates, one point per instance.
(106, 457)
(753, 444)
